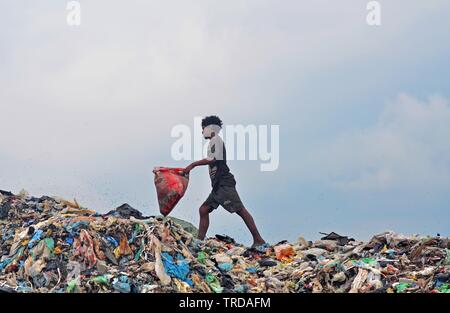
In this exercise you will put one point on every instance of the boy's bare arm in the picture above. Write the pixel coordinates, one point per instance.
(198, 163)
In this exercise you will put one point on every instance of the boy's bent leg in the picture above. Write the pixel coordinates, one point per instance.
(204, 222)
(207, 207)
(248, 219)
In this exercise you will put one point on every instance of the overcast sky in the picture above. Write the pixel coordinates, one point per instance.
(364, 112)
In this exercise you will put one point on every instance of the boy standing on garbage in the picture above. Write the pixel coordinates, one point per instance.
(223, 183)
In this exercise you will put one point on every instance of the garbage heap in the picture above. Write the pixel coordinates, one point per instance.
(54, 245)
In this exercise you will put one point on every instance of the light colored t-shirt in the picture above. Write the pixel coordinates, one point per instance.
(215, 148)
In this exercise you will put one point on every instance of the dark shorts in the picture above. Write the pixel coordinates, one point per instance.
(227, 197)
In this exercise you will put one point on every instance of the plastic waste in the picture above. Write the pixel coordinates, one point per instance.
(284, 251)
(121, 284)
(171, 184)
(178, 269)
(225, 266)
(201, 257)
(214, 283)
(267, 263)
(159, 266)
(402, 287)
(123, 248)
(100, 280)
(72, 286)
(222, 258)
(36, 237)
(112, 241)
(73, 250)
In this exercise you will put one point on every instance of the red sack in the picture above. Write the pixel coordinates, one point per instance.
(171, 184)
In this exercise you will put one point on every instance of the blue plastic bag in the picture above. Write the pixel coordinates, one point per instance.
(179, 269)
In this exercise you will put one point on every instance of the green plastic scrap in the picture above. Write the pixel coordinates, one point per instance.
(445, 288)
(50, 243)
(201, 258)
(213, 283)
(448, 255)
(402, 287)
(137, 227)
(100, 280)
(72, 285)
(369, 261)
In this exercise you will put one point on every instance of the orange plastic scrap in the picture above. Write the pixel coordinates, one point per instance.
(57, 250)
(284, 251)
(252, 281)
(124, 247)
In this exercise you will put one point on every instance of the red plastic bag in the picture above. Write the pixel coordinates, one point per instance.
(171, 184)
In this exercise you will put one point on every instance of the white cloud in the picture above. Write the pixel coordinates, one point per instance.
(408, 147)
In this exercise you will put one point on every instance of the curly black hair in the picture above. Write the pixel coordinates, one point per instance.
(211, 120)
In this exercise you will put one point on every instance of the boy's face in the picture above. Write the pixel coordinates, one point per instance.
(205, 135)
(210, 131)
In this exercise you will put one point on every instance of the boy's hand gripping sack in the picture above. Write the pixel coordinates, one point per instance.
(171, 184)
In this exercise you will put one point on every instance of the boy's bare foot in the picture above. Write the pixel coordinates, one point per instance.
(258, 243)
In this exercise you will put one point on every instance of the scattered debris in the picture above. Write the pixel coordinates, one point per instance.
(55, 245)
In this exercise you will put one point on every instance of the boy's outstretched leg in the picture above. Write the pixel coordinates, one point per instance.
(204, 222)
(248, 219)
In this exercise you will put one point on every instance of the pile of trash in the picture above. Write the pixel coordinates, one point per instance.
(54, 245)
